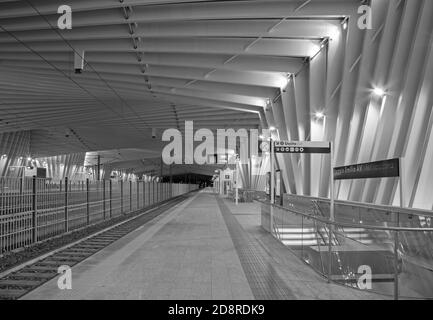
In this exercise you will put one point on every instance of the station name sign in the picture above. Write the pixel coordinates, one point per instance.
(378, 169)
(302, 147)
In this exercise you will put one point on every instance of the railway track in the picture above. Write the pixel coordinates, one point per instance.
(31, 275)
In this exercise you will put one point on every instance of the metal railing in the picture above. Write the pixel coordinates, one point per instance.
(391, 260)
(34, 210)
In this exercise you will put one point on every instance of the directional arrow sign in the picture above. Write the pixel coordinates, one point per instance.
(302, 147)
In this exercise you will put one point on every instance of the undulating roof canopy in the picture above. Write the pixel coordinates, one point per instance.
(225, 64)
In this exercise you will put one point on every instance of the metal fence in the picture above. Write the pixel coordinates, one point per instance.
(33, 209)
(396, 255)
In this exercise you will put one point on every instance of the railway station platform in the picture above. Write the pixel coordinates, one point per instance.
(203, 248)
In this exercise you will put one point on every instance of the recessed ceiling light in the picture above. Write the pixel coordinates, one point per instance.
(379, 92)
(319, 115)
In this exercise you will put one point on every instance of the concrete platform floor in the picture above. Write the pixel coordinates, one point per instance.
(204, 248)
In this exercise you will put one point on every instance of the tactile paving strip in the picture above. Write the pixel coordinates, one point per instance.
(264, 281)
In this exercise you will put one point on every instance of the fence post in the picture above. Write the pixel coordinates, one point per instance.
(138, 194)
(144, 194)
(130, 195)
(34, 212)
(396, 244)
(111, 199)
(103, 197)
(330, 229)
(87, 202)
(171, 183)
(121, 197)
(153, 192)
(66, 205)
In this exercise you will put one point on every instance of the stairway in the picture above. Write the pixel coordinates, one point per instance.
(308, 236)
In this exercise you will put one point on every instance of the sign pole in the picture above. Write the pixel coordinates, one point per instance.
(237, 181)
(272, 173)
(221, 183)
(332, 211)
(396, 236)
(332, 191)
(402, 180)
(272, 186)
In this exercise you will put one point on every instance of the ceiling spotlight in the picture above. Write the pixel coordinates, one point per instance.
(344, 22)
(272, 128)
(344, 25)
(319, 115)
(29, 159)
(324, 43)
(379, 92)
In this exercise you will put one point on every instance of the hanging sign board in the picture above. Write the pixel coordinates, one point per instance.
(302, 147)
(378, 169)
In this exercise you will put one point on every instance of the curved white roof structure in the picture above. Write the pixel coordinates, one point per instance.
(151, 65)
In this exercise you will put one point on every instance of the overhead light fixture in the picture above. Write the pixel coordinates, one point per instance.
(324, 43)
(345, 23)
(78, 62)
(379, 92)
(319, 115)
(272, 128)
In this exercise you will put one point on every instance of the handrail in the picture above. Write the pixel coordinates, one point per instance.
(348, 225)
(394, 209)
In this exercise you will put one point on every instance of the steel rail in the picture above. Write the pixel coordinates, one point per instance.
(348, 225)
